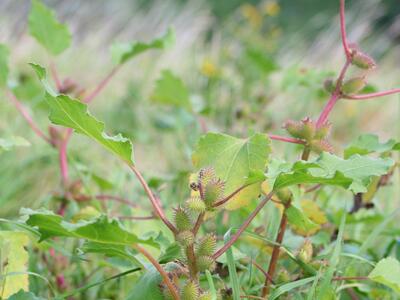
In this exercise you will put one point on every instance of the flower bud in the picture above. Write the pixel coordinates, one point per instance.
(293, 128)
(182, 219)
(353, 85)
(205, 263)
(207, 245)
(206, 175)
(195, 204)
(190, 291)
(363, 61)
(185, 238)
(306, 252)
(284, 195)
(319, 146)
(205, 296)
(309, 128)
(213, 191)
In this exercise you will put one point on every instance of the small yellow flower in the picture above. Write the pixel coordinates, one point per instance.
(208, 68)
(272, 8)
(251, 13)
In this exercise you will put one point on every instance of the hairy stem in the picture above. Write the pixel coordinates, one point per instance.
(230, 196)
(275, 254)
(346, 48)
(154, 202)
(243, 227)
(285, 139)
(162, 272)
(192, 265)
(27, 117)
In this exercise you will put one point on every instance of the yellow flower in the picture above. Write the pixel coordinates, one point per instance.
(272, 8)
(208, 69)
(251, 13)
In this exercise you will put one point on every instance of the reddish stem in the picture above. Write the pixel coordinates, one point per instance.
(62, 154)
(103, 197)
(54, 74)
(143, 218)
(343, 30)
(373, 95)
(243, 227)
(155, 203)
(286, 139)
(227, 198)
(101, 85)
(27, 117)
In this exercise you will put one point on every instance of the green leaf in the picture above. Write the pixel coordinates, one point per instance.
(234, 161)
(387, 272)
(298, 219)
(99, 230)
(22, 295)
(232, 269)
(170, 90)
(354, 173)
(122, 52)
(8, 144)
(45, 28)
(148, 285)
(368, 143)
(289, 286)
(42, 75)
(4, 53)
(71, 113)
(13, 259)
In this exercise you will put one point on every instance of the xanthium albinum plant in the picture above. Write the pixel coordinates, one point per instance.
(231, 173)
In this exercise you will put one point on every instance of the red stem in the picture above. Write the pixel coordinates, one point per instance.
(227, 198)
(101, 85)
(155, 203)
(62, 154)
(54, 74)
(343, 30)
(243, 227)
(286, 139)
(27, 117)
(373, 95)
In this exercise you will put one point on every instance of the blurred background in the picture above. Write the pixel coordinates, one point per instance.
(248, 65)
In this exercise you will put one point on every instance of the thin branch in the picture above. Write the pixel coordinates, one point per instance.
(243, 227)
(157, 207)
(286, 139)
(262, 270)
(198, 223)
(55, 76)
(142, 218)
(101, 85)
(372, 95)
(313, 188)
(162, 272)
(27, 117)
(343, 30)
(227, 198)
(62, 154)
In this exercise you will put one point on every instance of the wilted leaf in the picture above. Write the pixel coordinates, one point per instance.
(234, 160)
(45, 28)
(368, 143)
(100, 229)
(122, 52)
(354, 173)
(170, 90)
(14, 259)
(71, 113)
(387, 272)
(4, 53)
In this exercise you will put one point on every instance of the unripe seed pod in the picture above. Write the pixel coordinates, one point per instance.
(195, 204)
(206, 175)
(283, 276)
(213, 191)
(319, 146)
(205, 296)
(353, 85)
(207, 245)
(363, 61)
(185, 238)
(293, 128)
(323, 131)
(284, 195)
(330, 85)
(190, 291)
(308, 130)
(182, 219)
(167, 294)
(306, 252)
(205, 263)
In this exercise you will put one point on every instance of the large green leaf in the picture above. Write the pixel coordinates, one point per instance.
(354, 173)
(368, 143)
(14, 259)
(170, 90)
(4, 53)
(122, 52)
(299, 220)
(234, 160)
(99, 230)
(45, 28)
(72, 113)
(387, 272)
(21, 295)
